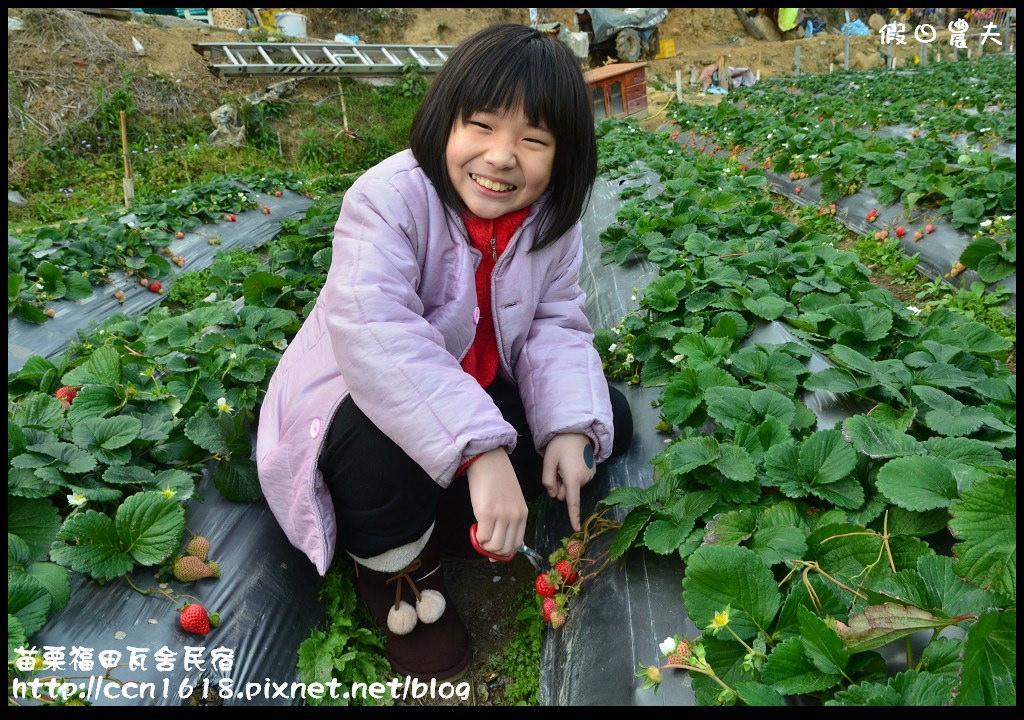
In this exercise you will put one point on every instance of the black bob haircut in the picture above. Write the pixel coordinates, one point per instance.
(509, 67)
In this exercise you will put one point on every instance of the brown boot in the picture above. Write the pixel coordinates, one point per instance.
(431, 650)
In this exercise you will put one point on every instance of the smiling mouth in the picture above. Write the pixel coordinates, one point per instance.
(491, 185)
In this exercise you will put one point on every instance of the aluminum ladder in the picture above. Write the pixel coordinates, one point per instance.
(309, 59)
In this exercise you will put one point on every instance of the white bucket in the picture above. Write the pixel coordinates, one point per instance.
(291, 24)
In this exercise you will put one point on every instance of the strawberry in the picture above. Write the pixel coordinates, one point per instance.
(180, 235)
(231, 217)
(266, 210)
(119, 296)
(768, 164)
(167, 251)
(574, 549)
(900, 232)
(914, 134)
(821, 211)
(918, 235)
(546, 585)
(929, 228)
(798, 189)
(831, 208)
(189, 568)
(547, 606)
(881, 235)
(144, 282)
(674, 135)
(214, 568)
(792, 175)
(675, 659)
(558, 617)
(683, 649)
(194, 619)
(66, 395)
(198, 546)
(155, 286)
(566, 570)
(50, 312)
(743, 168)
(717, 148)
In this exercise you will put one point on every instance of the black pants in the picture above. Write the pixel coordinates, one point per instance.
(383, 499)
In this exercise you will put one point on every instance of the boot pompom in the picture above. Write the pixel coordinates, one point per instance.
(401, 620)
(430, 607)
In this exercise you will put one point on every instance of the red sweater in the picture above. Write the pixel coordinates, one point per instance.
(482, 359)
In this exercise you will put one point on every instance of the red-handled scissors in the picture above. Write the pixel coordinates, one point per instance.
(535, 558)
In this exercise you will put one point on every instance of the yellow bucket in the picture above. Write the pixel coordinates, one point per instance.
(267, 16)
(666, 49)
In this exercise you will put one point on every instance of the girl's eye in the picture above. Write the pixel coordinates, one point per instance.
(536, 140)
(480, 124)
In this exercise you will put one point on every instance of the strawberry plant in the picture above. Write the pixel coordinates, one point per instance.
(107, 440)
(752, 490)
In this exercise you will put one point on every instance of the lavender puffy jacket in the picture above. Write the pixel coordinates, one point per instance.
(396, 316)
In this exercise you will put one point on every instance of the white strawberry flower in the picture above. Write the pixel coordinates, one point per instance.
(234, 356)
(630, 359)
(613, 347)
(668, 646)
(281, 344)
(677, 359)
(633, 298)
(77, 499)
(915, 310)
(617, 331)
(223, 405)
(1005, 217)
(986, 223)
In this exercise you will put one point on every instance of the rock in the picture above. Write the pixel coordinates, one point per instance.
(769, 29)
(876, 22)
(16, 198)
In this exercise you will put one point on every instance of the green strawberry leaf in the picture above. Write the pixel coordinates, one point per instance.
(88, 543)
(106, 438)
(942, 656)
(790, 672)
(878, 440)
(55, 579)
(33, 522)
(917, 483)
(990, 661)
(634, 522)
(150, 526)
(236, 480)
(718, 576)
(28, 601)
(38, 411)
(821, 644)
(985, 521)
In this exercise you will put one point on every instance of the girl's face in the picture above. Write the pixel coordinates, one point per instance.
(499, 163)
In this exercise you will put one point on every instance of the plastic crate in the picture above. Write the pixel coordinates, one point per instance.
(666, 49)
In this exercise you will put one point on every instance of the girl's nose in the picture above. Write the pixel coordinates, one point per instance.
(500, 155)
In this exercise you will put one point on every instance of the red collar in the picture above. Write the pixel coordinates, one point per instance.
(501, 229)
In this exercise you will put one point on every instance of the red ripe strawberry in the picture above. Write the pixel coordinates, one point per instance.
(798, 188)
(66, 395)
(929, 228)
(674, 135)
(743, 168)
(231, 217)
(194, 619)
(547, 606)
(545, 585)
(900, 232)
(266, 210)
(277, 193)
(821, 211)
(914, 134)
(768, 164)
(155, 286)
(717, 148)
(180, 235)
(565, 569)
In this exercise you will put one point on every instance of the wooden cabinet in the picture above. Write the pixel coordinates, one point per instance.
(618, 89)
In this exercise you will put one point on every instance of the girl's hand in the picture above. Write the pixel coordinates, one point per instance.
(568, 466)
(498, 503)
